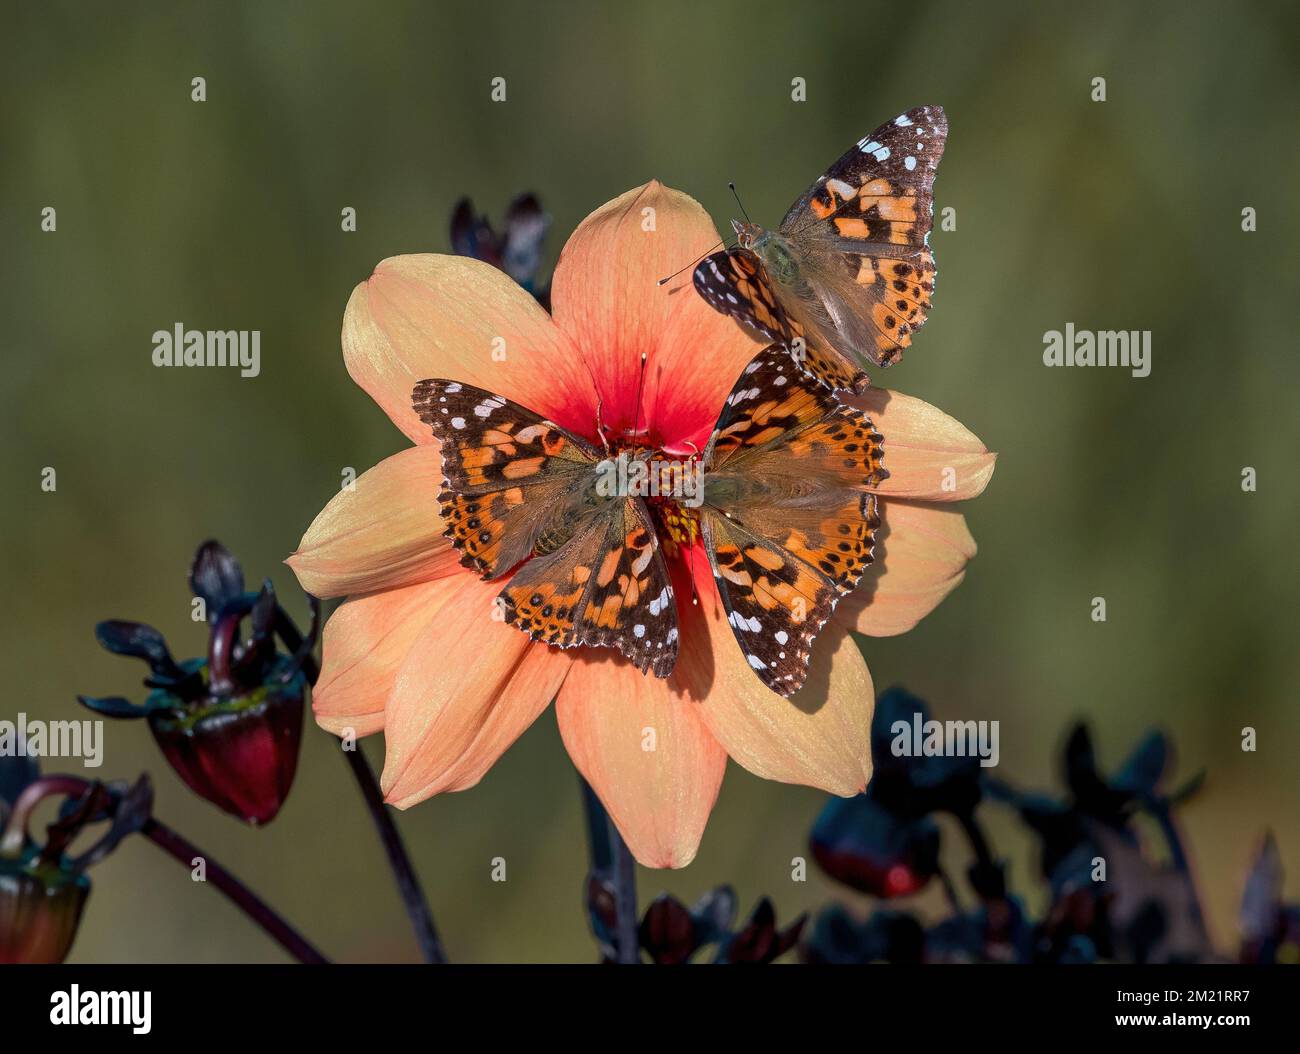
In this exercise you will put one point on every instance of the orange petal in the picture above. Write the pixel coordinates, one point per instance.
(366, 641)
(606, 296)
(385, 532)
(447, 316)
(921, 555)
(469, 687)
(646, 753)
(930, 456)
(820, 736)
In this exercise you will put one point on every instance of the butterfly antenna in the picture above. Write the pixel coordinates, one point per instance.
(702, 255)
(640, 386)
(739, 204)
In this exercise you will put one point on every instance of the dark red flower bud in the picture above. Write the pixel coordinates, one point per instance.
(40, 910)
(517, 249)
(668, 931)
(759, 941)
(42, 889)
(240, 752)
(860, 843)
(230, 724)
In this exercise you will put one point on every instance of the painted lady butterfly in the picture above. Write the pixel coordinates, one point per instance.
(786, 519)
(849, 270)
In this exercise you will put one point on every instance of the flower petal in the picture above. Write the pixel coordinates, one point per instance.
(447, 316)
(385, 532)
(468, 688)
(606, 296)
(930, 456)
(366, 641)
(646, 753)
(820, 736)
(921, 555)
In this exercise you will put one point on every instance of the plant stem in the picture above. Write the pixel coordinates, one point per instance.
(408, 886)
(975, 835)
(417, 908)
(252, 905)
(612, 860)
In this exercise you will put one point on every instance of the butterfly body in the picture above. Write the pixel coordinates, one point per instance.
(848, 275)
(779, 258)
(781, 500)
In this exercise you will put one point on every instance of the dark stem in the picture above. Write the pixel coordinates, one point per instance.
(408, 886)
(975, 835)
(417, 908)
(612, 861)
(950, 893)
(252, 905)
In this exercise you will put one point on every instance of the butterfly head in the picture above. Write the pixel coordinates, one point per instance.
(746, 233)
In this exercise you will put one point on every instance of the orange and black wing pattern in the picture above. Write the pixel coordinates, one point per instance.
(866, 225)
(606, 587)
(790, 514)
(735, 283)
(507, 472)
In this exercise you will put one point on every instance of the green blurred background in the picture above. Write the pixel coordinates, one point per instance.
(1117, 215)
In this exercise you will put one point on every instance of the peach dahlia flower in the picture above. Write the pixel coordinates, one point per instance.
(414, 651)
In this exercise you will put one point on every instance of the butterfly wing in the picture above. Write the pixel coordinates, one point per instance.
(509, 476)
(860, 235)
(735, 283)
(788, 521)
(607, 586)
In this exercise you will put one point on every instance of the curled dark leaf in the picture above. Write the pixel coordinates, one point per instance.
(141, 642)
(1142, 772)
(713, 914)
(113, 706)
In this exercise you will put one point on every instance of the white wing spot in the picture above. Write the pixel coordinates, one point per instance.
(902, 121)
(485, 408)
(458, 422)
(660, 602)
(844, 190)
(909, 163)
